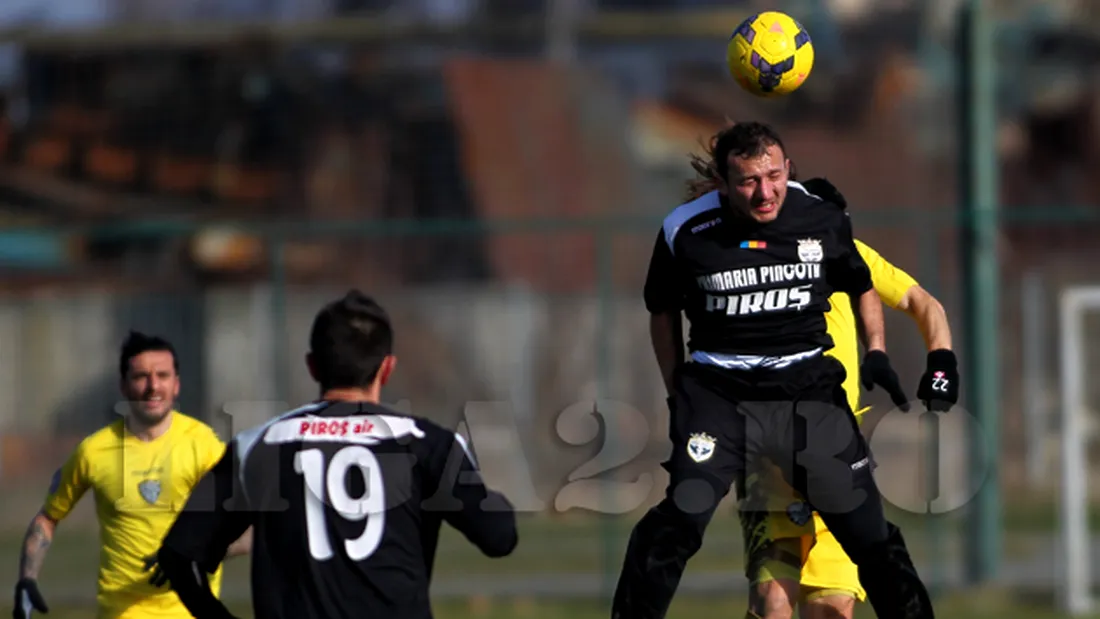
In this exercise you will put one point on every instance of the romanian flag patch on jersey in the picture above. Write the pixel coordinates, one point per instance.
(753, 245)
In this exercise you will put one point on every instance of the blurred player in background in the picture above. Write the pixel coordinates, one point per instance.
(141, 468)
(346, 496)
(790, 555)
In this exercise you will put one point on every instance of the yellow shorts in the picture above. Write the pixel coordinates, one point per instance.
(785, 540)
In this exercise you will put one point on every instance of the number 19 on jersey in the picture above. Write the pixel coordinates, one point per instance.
(329, 487)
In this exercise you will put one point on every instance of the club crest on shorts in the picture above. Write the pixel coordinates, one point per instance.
(809, 250)
(700, 446)
(799, 512)
(149, 490)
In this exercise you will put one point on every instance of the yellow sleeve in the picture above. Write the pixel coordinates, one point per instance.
(69, 483)
(210, 449)
(891, 283)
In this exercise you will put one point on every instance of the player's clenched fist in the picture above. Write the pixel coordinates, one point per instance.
(939, 387)
(28, 598)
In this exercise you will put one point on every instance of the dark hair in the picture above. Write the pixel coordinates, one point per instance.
(746, 140)
(137, 343)
(349, 340)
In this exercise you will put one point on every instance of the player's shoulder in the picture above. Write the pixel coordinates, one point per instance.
(246, 440)
(431, 431)
(866, 251)
(882, 271)
(799, 197)
(690, 214)
(393, 424)
(106, 437)
(423, 435)
(194, 429)
(810, 213)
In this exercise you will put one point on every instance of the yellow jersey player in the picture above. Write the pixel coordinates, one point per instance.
(141, 469)
(791, 557)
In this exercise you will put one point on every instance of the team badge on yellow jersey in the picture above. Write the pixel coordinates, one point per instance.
(149, 490)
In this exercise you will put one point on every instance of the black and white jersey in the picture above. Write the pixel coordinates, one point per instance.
(755, 289)
(346, 502)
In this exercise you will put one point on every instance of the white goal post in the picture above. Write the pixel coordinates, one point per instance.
(1075, 303)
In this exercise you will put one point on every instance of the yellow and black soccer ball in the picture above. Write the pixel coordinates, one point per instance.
(770, 54)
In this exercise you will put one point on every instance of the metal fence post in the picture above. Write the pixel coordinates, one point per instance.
(978, 112)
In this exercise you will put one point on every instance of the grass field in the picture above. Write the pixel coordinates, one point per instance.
(546, 548)
(583, 544)
(984, 605)
(578, 548)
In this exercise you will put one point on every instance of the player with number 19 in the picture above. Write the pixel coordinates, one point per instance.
(345, 496)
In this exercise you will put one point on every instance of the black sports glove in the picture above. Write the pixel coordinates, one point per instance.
(876, 370)
(28, 598)
(190, 583)
(825, 190)
(159, 578)
(939, 387)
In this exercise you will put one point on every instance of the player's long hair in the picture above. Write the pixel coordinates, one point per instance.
(707, 177)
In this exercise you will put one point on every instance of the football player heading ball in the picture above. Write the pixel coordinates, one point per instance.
(770, 54)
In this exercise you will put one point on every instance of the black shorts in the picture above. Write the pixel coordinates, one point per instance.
(727, 424)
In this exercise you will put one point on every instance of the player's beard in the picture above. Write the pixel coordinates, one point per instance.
(147, 417)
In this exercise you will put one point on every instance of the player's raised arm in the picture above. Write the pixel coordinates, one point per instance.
(930, 317)
(484, 516)
(663, 300)
(939, 386)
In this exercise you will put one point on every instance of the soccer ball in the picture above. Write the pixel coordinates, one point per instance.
(770, 54)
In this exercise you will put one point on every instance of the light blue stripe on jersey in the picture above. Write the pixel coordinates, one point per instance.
(681, 214)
